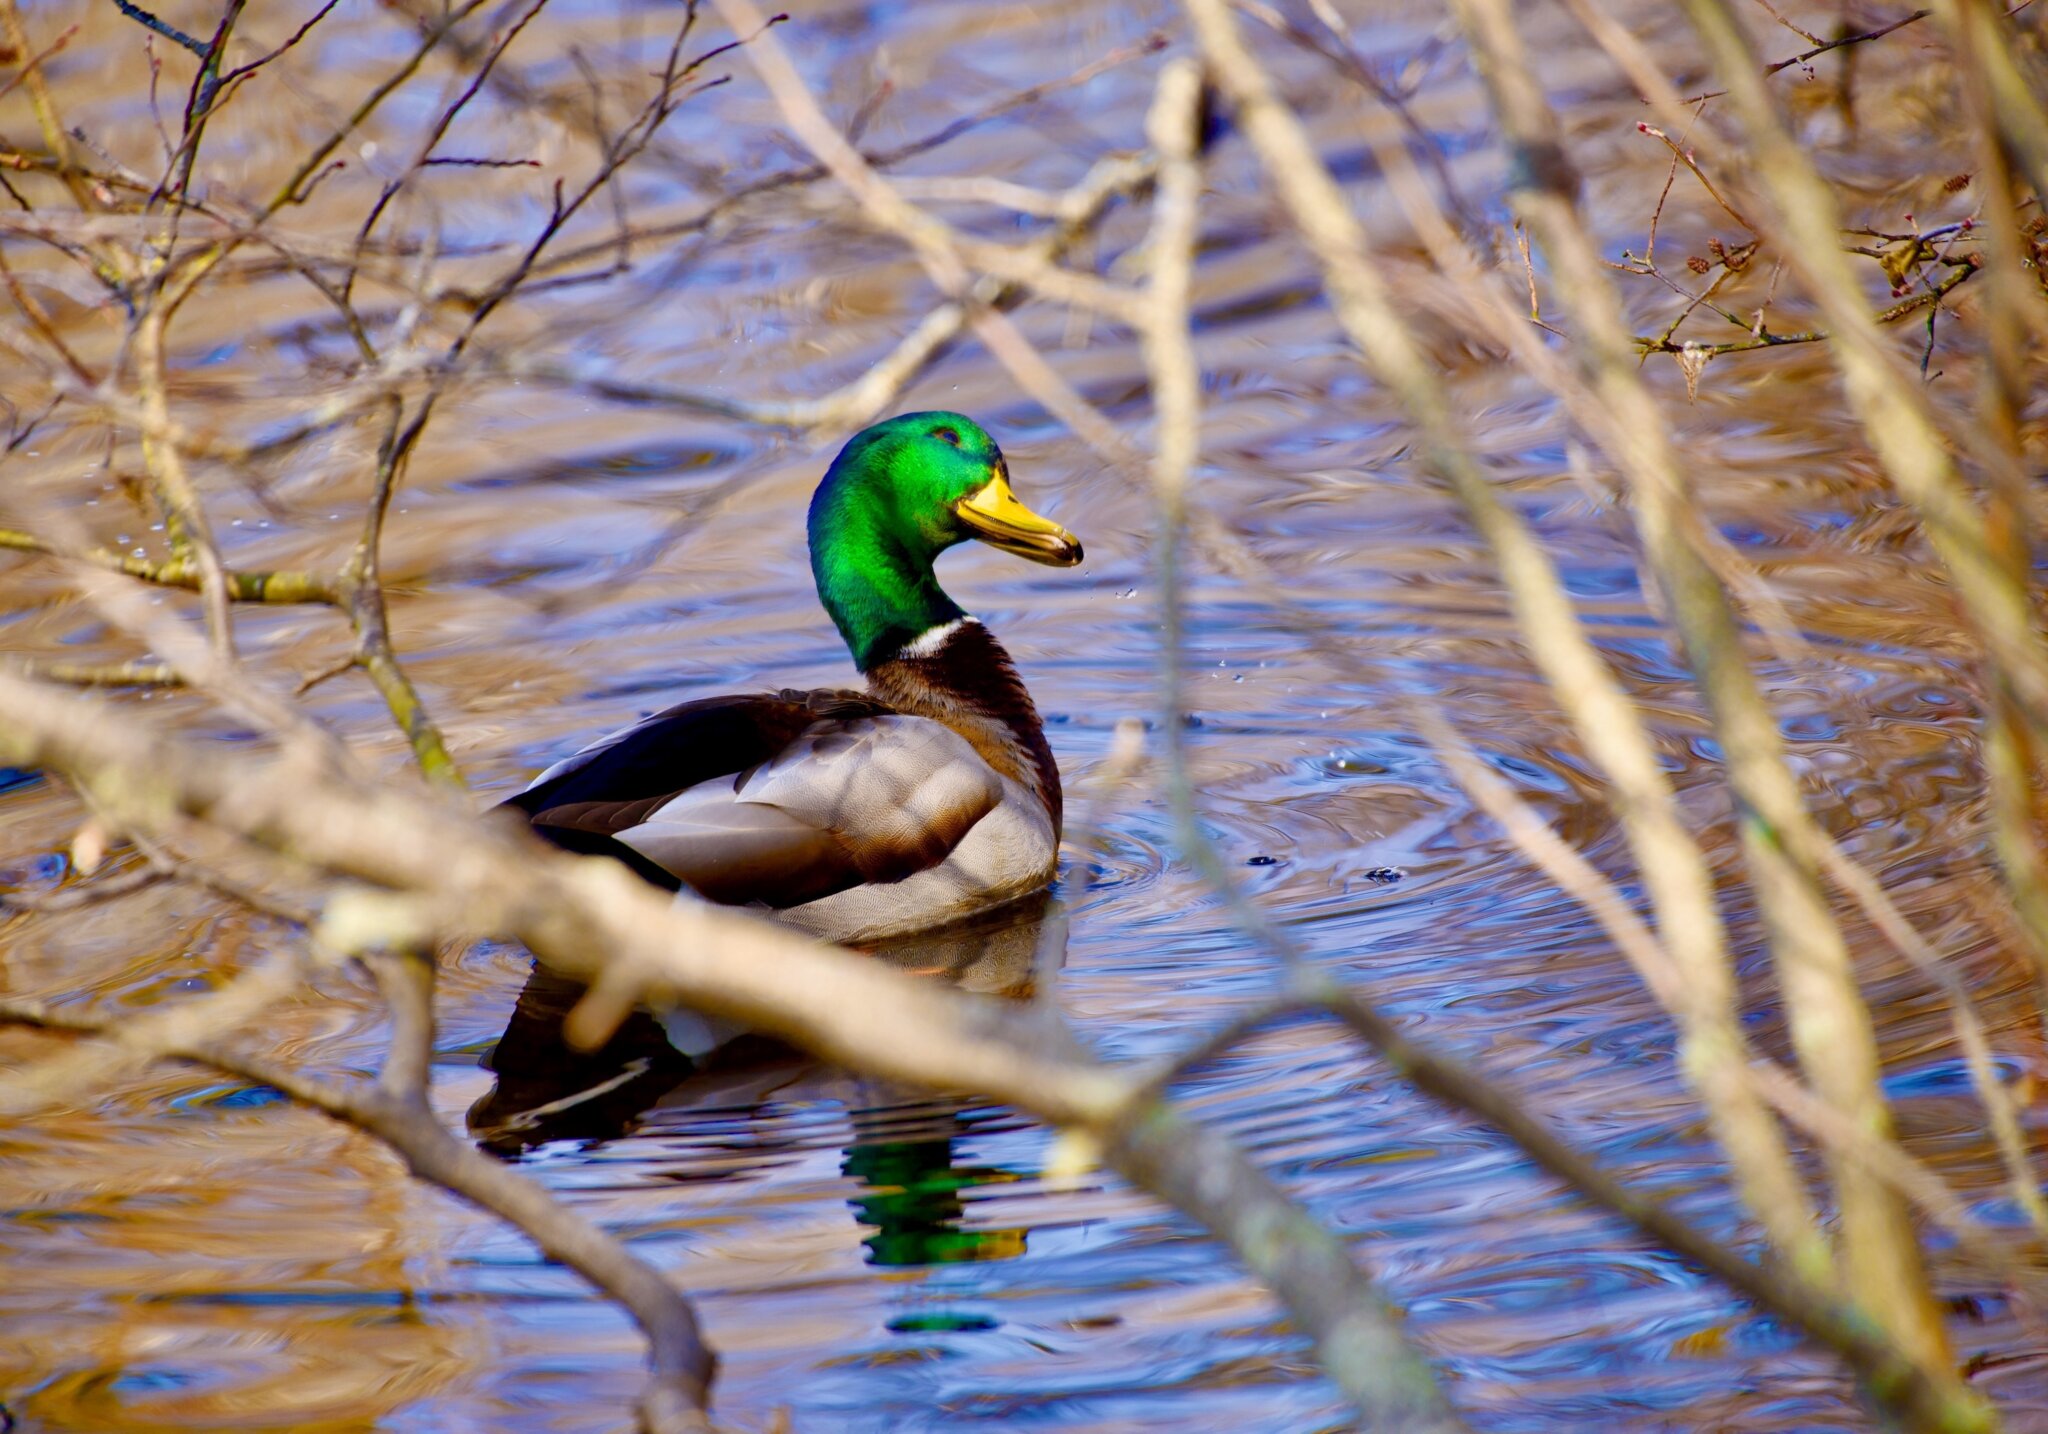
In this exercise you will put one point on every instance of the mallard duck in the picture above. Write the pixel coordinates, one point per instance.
(857, 816)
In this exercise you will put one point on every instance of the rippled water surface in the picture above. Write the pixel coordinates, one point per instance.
(188, 1254)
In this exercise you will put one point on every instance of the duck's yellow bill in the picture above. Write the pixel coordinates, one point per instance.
(998, 519)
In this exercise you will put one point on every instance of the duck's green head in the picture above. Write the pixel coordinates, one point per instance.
(898, 495)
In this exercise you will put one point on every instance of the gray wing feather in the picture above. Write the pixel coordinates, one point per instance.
(870, 799)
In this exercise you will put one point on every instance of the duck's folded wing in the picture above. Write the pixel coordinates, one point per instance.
(763, 799)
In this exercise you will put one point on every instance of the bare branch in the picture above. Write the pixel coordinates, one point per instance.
(681, 1368)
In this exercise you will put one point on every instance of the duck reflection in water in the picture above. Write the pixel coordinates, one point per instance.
(655, 1074)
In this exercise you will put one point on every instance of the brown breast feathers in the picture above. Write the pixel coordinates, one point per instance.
(966, 680)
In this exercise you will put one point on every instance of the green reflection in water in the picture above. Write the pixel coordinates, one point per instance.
(911, 1200)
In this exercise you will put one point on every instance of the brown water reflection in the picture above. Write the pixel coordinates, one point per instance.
(720, 1109)
(189, 1254)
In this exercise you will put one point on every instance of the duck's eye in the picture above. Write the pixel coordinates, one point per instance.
(947, 435)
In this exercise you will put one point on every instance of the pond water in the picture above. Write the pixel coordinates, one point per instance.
(189, 1254)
